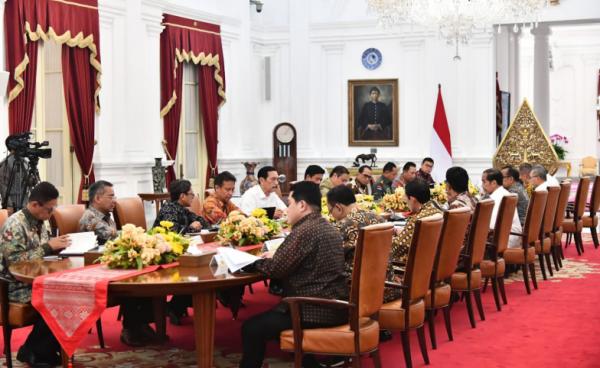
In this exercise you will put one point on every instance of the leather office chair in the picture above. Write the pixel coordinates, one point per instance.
(574, 226)
(66, 218)
(3, 217)
(525, 255)
(468, 279)
(130, 211)
(494, 267)
(591, 221)
(455, 226)
(408, 312)
(588, 166)
(544, 246)
(557, 231)
(361, 334)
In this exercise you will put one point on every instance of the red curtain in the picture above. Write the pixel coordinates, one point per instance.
(79, 85)
(187, 40)
(75, 24)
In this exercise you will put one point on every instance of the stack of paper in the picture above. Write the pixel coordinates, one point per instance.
(234, 259)
(273, 244)
(80, 243)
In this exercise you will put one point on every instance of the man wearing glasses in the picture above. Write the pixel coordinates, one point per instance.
(24, 237)
(184, 221)
(97, 217)
(363, 183)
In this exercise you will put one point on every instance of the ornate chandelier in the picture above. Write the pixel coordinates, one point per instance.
(457, 20)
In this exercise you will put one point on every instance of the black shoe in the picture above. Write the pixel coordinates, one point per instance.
(132, 337)
(174, 318)
(148, 334)
(275, 289)
(26, 356)
(385, 335)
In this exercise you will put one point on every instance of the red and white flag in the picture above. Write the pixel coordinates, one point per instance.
(441, 145)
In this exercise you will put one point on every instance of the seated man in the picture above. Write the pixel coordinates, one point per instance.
(26, 237)
(419, 201)
(264, 194)
(184, 221)
(338, 176)
(524, 171)
(513, 184)
(383, 185)
(310, 262)
(314, 173)
(218, 205)
(425, 171)
(137, 312)
(540, 179)
(363, 183)
(342, 206)
(491, 182)
(457, 189)
(409, 173)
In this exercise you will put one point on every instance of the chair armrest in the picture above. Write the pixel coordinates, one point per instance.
(341, 304)
(395, 285)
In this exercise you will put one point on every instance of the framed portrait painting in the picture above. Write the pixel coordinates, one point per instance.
(373, 112)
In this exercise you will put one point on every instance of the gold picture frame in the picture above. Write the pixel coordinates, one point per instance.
(373, 121)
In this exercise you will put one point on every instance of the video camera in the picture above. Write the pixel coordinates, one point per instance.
(22, 147)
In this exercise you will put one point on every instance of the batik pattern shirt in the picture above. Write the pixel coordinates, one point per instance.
(464, 199)
(401, 242)
(310, 263)
(425, 176)
(522, 200)
(215, 210)
(180, 216)
(359, 188)
(23, 238)
(382, 187)
(100, 223)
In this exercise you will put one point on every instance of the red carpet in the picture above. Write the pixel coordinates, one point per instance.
(556, 326)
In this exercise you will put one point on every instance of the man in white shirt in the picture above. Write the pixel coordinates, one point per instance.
(491, 181)
(540, 179)
(263, 195)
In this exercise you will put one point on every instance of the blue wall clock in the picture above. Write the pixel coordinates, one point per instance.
(371, 58)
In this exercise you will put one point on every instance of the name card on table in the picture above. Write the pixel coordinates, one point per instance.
(232, 260)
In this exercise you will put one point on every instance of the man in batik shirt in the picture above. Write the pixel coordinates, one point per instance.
(512, 183)
(184, 221)
(218, 205)
(26, 237)
(457, 189)
(419, 201)
(97, 217)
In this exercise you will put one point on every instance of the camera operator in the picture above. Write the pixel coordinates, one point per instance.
(24, 237)
(13, 170)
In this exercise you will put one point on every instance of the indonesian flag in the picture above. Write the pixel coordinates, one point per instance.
(441, 146)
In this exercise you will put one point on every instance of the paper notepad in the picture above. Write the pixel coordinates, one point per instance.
(233, 259)
(273, 244)
(80, 243)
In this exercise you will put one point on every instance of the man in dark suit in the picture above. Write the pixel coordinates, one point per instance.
(374, 120)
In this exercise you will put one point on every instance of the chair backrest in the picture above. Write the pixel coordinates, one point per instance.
(480, 228)
(550, 211)
(581, 197)
(3, 217)
(130, 211)
(421, 256)
(535, 215)
(563, 201)
(504, 220)
(595, 200)
(451, 240)
(66, 218)
(589, 162)
(371, 258)
(196, 206)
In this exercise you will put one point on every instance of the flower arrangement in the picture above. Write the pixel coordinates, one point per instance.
(473, 190)
(438, 193)
(273, 226)
(325, 210)
(396, 201)
(367, 203)
(557, 143)
(239, 229)
(135, 248)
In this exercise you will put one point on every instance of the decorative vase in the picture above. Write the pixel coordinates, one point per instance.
(250, 180)
(159, 178)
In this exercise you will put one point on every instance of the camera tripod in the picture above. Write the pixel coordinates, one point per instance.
(23, 177)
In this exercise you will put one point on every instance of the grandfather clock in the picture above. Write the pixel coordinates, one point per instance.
(284, 153)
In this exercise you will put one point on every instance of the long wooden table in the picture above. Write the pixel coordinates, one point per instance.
(197, 281)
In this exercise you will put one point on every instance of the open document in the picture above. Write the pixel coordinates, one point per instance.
(80, 243)
(233, 259)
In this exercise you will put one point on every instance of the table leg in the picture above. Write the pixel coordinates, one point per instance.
(204, 327)
(159, 309)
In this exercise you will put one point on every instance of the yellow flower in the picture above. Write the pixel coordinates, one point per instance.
(166, 224)
(258, 213)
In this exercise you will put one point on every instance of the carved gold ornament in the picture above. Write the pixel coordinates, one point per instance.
(525, 141)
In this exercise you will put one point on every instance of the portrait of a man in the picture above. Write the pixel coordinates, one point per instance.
(373, 112)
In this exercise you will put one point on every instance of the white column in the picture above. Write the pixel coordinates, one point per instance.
(541, 75)
(514, 67)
